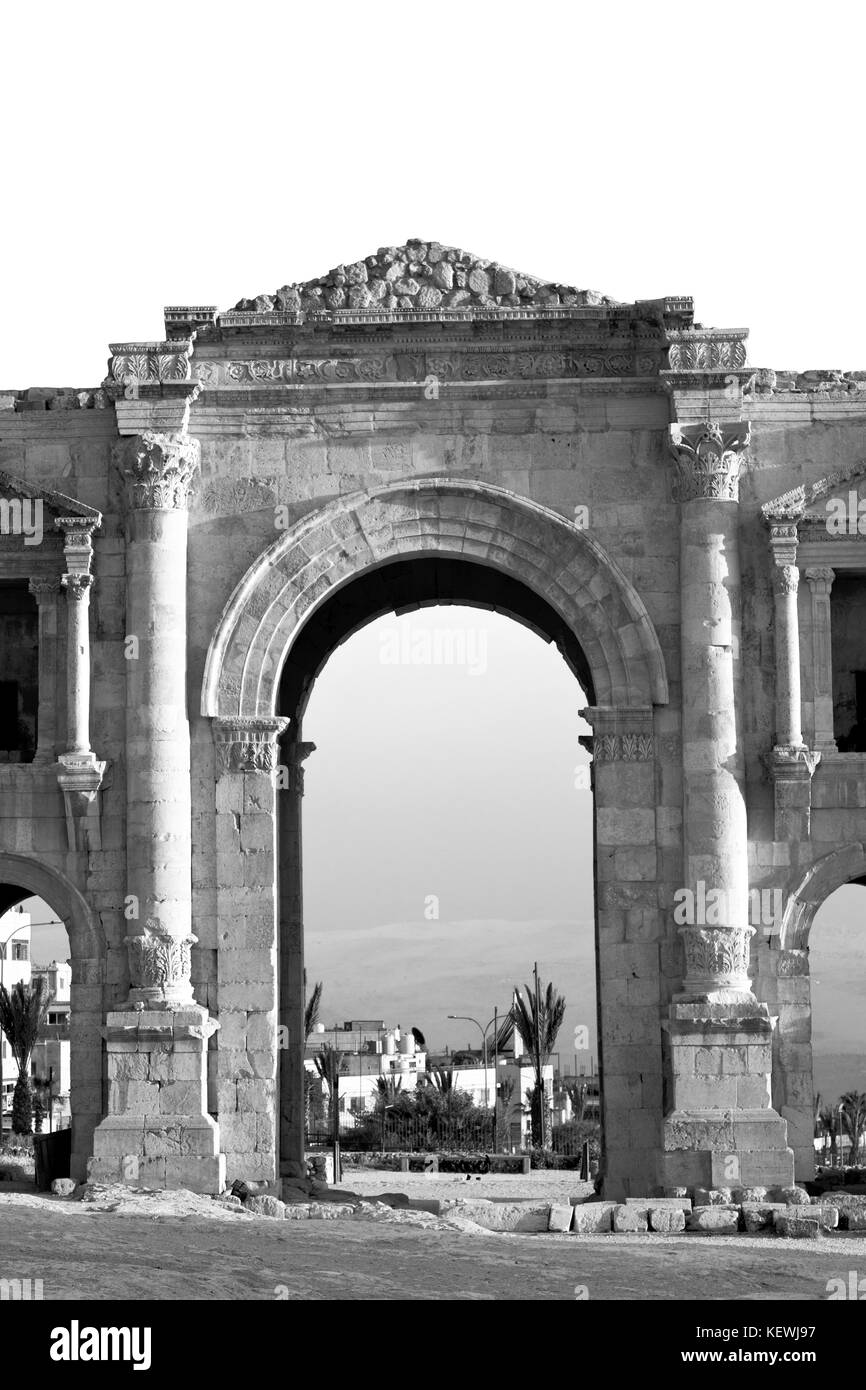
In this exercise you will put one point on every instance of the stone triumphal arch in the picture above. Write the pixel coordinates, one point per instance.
(182, 548)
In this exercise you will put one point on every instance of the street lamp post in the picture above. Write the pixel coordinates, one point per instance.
(465, 1018)
(3, 944)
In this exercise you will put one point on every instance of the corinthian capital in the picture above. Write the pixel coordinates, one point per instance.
(708, 457)
(159, 469)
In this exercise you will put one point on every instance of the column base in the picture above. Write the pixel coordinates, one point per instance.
(721, 1130)
(158, 1132)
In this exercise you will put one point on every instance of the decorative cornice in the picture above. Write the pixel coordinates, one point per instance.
(792, 506)
(247, 744)
(146, 363)
(159, 469)
(707, 350)
(708, 458)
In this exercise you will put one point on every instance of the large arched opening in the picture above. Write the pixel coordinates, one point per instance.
(23, 879)
(429, 542)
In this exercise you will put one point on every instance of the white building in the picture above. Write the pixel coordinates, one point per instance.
(369, 1052)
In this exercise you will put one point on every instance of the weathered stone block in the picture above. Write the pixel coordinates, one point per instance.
(592, 1218)
(560, 1218)
(713, 1220)
(667, 1220)
(628, 1219)
(797, 1227)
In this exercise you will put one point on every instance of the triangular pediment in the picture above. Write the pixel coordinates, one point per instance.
(56, 502)
(807, 502)
(422, 277)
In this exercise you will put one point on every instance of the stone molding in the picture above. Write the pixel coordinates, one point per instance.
(627, 748)
(708, 458)
(159, 469)
(247, 744)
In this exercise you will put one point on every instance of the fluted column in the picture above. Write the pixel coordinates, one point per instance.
(708, 459)
(46, 592)
(820, 579)
(159, 470)
(77, 581)
(292, 984)
(786, 583)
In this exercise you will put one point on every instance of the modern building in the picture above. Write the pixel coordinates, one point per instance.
(369, 1052)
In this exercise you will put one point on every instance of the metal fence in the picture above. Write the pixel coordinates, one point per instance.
(410, 1134)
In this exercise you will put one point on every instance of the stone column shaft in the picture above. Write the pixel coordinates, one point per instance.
(714, 808)
(292, 983)
(159, 470)
(789, 730)
(77, 588)
(45, 591)
(820, 583)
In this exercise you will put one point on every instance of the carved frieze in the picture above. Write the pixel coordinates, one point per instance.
(627, 748)
(420, 367)
(159, 469)
(708, 458)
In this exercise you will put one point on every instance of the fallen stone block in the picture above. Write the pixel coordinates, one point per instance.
(648, 1204)
(857, 1221)
(627, 1220)
(741, 1195)
(759, 1216)
(329, 1211)
(502, 1216)
(591, 1219)
(265, 1206)
(712, 1197)
(792, 1196)
(298, 1211)
(431, 1204)
(667, 1220)
(559, 1218)
(827, 1214)
(713, 1220)
(797, 1227)
(63, 1187)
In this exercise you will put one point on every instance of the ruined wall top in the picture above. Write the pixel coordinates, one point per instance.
(420, 275)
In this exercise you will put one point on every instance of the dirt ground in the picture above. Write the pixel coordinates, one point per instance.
(162, 1246)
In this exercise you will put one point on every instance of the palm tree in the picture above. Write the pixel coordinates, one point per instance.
(538, 1019)
(387, 1089)
(442, 1078)
(311, 1010)
(853, 1105)
(311, 1021)
(22, 1013)
(327, 1063)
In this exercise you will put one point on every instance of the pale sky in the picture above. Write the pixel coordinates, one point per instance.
(196, 155)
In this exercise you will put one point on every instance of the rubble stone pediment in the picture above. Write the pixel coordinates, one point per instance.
(421, 276)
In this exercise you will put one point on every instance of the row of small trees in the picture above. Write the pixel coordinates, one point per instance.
(22, 1014)
(536, 1015)
(850, 1108)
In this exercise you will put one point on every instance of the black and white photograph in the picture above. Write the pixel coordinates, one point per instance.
(432, 675)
